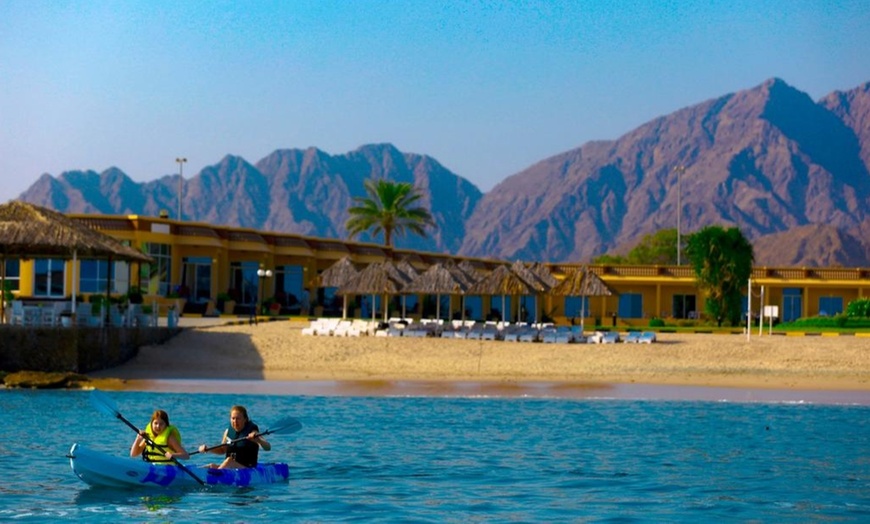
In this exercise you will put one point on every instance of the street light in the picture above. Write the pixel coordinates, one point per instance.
(181, 161)
(263, 274)
(679, 170)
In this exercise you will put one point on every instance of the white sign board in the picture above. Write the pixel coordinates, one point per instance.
(771, 311)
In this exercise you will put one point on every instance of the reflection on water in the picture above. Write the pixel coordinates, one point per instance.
(152, 501)
(445, 389)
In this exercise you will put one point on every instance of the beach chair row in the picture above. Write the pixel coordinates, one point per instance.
(335, 327)
(469, 330)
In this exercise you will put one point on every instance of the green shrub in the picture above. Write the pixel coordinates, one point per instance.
(858, 308)
(837, 321)
(656, 322)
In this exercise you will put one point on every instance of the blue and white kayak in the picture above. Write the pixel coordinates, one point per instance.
(101, 469)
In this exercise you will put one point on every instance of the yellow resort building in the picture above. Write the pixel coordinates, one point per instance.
(206, 269)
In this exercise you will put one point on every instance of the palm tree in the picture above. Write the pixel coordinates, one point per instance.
(388, 208)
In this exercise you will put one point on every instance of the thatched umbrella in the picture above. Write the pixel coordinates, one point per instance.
(539, 283)
(467, 272)
(543, 273)
(439, 280)
(583, 283)
(501, 281)
(381, 278)
(337, 275)
(411, 272)
(28, 231)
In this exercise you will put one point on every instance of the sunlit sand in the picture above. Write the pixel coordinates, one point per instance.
(275, 358)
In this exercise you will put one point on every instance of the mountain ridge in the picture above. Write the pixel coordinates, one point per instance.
(769, 160)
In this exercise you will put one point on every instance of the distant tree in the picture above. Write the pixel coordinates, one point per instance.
(659, 248)
(608, 259)
(722, 260)
(389, 208)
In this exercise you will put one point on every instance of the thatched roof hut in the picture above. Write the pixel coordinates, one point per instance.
(582, 282)
(594, 286)
(28, 231)
(501, 281)
(31, 231)
(535, 282)
(374, 279)
(337, 274)
(407, 268)
(382, 278)
(544, 273)
(438, 280)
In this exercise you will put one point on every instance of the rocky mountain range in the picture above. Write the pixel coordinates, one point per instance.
(792, 173)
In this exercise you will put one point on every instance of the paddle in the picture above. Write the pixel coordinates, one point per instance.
(285, 426)
(103, 403)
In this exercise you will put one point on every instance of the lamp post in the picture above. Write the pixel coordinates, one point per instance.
(679, 170)
(263, 274)
(181, 161)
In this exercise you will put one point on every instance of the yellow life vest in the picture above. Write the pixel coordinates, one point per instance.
(157, 454)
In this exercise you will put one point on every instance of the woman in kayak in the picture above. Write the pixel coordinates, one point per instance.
(165, 441)
(241, 442)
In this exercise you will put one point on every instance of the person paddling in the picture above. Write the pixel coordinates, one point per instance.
(241, 442)
(166, 441)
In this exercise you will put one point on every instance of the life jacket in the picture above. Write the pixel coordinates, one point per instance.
(157, 454)
(245, 452)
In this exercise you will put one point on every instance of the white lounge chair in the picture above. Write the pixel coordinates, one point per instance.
(633, 337)
(647, 337)
(610, 337)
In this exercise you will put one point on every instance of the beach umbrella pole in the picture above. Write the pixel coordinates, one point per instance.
(74, 287)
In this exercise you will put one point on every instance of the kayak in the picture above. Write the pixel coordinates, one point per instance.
(101, 469)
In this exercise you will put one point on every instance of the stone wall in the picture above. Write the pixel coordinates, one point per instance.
(79, 350)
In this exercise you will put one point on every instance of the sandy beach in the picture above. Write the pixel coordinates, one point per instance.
(277, 353)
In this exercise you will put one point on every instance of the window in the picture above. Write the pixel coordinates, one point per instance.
(830, 306)
(528, 308)
(684, 306)
(577, 307)
(157, 276)
(94, 274)
(501, 307)
(244, 282)
(630, 305)
(474, 307)
(792, 304)
(48, 279)
(12, 274)
(289, 285)
(196, 279)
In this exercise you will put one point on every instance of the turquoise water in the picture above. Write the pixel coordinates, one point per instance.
(426, 459)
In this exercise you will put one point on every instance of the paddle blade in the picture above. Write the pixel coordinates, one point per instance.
(104, 404)
(285, 426)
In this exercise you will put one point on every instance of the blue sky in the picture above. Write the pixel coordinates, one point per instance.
(486, 88)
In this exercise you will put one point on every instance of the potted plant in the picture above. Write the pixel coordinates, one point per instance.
(225, 303)
(134, 295)
(274, 309)
(7, 293)
(266, 306)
